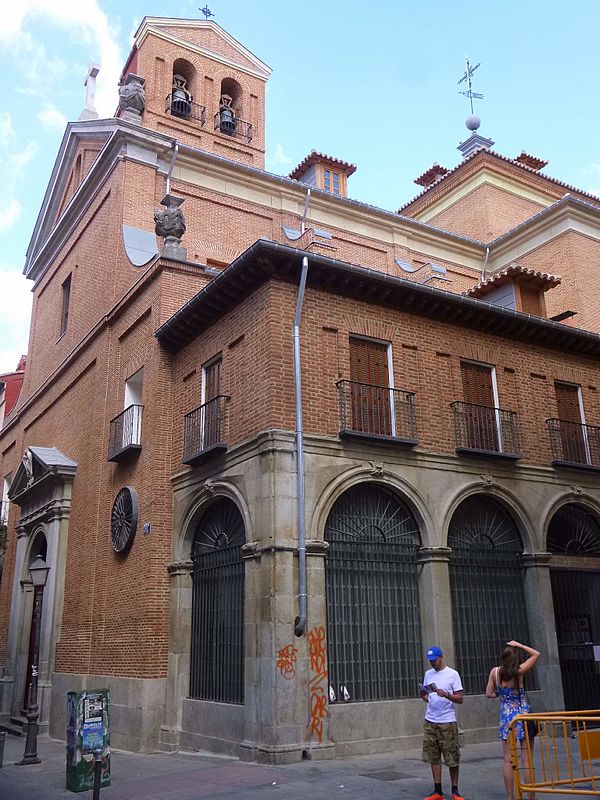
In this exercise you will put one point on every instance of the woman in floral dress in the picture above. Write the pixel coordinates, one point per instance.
(506, 683)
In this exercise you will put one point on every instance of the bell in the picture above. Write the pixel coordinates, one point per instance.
(227, 121)
(180, 104)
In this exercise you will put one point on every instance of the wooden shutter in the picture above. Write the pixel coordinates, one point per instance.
(477, 384)
(479, 417)
(211, 423)
(571, 430)
(370, 395)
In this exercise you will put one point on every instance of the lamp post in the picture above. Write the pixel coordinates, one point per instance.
(39, 572)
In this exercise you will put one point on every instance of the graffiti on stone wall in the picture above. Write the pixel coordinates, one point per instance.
(318, 681)
(286, 661)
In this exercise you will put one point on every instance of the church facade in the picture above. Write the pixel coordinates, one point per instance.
(273, 442)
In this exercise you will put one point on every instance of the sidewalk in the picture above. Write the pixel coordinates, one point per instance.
(178, 776)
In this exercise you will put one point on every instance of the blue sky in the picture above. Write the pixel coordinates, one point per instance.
(374, 84)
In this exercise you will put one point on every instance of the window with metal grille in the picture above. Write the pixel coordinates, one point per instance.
(217, 651)
(486, 586)
(373, 623)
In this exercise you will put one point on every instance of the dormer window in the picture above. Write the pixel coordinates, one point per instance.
(331, 181)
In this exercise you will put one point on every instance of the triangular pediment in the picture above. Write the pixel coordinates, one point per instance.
(206, 38)
(37, 466)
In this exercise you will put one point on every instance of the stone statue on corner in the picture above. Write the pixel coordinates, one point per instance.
(170, 224)
(132, 98)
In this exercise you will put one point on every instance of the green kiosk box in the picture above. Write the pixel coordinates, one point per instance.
(88, 732)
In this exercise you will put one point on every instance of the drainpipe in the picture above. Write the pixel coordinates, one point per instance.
(173, 159)
(485, 260)
(304, 213)
(302, 597)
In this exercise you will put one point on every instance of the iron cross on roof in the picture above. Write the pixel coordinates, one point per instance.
(206, 11)
(467, 77)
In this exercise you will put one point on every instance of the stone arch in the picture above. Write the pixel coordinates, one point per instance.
(507, 499)
(37, 546)
(576, 497)
(375, 473)
(201, 500)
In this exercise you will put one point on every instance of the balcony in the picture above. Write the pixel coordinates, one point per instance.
(574, 445)
(233, 126)
(486, 431)
(125, 435)
(377, 413)
(203, 430)
(183, 108)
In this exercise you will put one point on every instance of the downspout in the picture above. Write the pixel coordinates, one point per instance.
(485, 260)
(173, 159)
(302, 597)
(305, 212)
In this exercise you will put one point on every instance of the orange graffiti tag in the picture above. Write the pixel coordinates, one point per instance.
(318, 667)
(286, 661)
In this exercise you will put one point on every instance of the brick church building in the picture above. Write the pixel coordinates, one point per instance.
(272, 442)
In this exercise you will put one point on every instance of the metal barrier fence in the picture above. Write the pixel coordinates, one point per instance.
(564, 757)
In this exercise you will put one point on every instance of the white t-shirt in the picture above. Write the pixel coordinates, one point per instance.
(438, 708)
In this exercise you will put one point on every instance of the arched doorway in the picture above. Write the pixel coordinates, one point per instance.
(39, 548)
(373, 622)
(217, 648)
(486, 587)
(574, 541)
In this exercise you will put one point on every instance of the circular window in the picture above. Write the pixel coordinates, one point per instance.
(123, 519)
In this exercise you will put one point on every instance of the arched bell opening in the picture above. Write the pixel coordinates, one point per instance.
(218, 589)
(373, 617)
(574, 541)
(183, 86)
(486, 586)
(230, 106)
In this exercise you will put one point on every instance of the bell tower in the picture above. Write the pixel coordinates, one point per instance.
(202, 86)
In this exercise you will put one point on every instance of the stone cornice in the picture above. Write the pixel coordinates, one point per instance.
(427, 555)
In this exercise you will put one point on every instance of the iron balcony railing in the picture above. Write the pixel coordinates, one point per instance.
(204, 429)
(125, 433)
(367, 410)
(233, 127)
(185, 109)
(486, 430)
(574, 444)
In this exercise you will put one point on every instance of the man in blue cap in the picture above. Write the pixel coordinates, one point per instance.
(442, 689)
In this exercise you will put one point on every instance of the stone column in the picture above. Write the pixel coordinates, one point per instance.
(435, 600)
(542, 628)
(178, 675)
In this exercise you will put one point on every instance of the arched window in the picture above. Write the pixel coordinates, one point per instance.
(217, 652)
(373, 623)
(486, 586)
(574, 541)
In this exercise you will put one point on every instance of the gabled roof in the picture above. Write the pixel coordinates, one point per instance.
(484, 155)
(315, 157)
(518, 273)
(233, 53)
(266, 259)
(40, 464)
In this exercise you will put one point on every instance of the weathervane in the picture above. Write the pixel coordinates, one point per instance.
(467, 77)
(206, 11)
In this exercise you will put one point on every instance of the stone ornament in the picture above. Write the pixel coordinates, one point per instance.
(132, 98)
(170, 224)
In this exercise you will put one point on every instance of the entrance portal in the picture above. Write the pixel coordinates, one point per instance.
(574, 537)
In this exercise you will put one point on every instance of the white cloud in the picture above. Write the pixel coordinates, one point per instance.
(51, 118)
(15, 156)
(10, 211)
(15, 313)
(86, 24)
(591, 172)
(281, 156)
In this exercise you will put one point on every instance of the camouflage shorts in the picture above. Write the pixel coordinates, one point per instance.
(441, 739)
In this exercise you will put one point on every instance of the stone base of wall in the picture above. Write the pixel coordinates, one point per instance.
(136, 708)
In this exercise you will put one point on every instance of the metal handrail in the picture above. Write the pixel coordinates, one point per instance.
(204, 427)
(239, 127)
(185, 109)
(375, 410)
(125, 430)
(486, 429)
(574, 442)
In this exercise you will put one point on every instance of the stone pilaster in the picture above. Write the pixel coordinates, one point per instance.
(542, 628)
(435, 600)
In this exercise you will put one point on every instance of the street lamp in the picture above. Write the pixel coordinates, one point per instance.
(39, 572)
